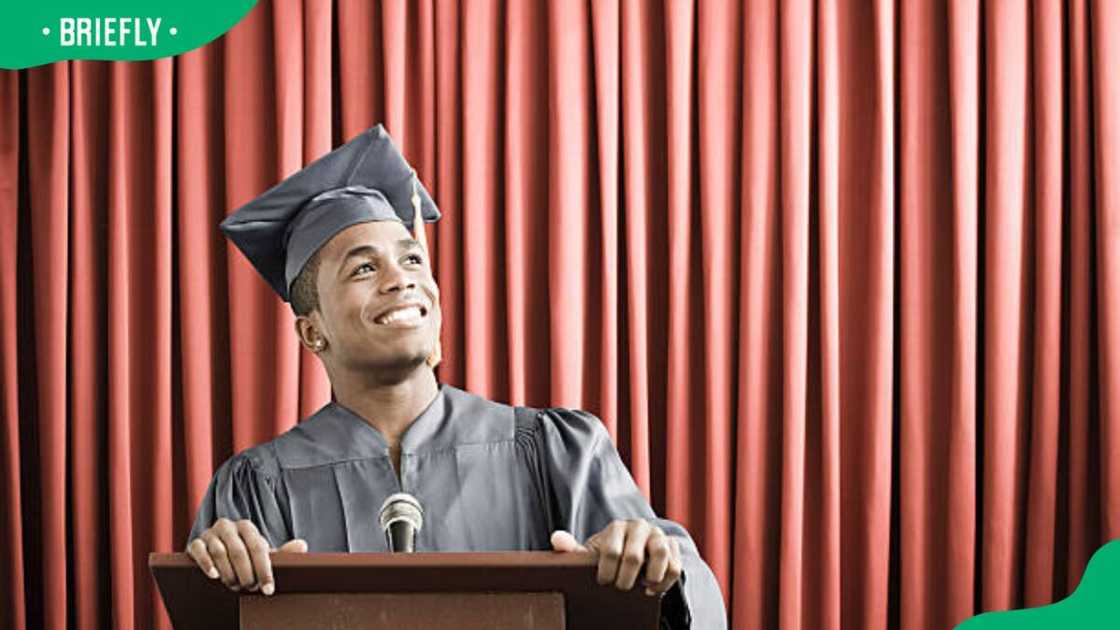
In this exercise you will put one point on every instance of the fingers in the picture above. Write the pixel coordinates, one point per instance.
(236, 553)
(197, 551)
(565, 542)
(658, 552)
(608, 545)
(257, 548)
(633, 554)
(295, 545)
(217, 551)
(230, 554)
(623, 547)
(239, 554)
(672, 570)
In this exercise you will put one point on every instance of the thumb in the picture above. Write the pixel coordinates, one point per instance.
(295, 545)
(565, 542)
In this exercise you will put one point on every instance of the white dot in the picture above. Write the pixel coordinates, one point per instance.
(174, 31)
(46, 31)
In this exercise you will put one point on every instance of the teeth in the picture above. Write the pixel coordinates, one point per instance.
(404, 314)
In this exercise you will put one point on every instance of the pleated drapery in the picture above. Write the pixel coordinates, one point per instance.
(842, 278)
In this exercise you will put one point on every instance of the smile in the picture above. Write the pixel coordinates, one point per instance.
(404, 316)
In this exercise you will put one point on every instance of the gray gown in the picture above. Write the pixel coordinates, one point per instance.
(491, 477)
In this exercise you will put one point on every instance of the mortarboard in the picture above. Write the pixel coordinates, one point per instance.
(366, 179)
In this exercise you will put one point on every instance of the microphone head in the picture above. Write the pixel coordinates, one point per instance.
(402, 507)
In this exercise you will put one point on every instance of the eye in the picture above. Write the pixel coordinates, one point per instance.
(363, 269)
(415, 259)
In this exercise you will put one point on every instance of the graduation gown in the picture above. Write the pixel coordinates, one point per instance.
(491, 477)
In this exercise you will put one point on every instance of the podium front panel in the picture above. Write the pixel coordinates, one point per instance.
(391, 611)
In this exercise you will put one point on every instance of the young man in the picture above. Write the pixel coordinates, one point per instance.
(332, 240)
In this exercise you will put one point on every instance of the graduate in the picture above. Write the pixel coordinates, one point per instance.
(334, 241)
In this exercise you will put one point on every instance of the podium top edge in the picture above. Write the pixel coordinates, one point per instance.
(495, 559)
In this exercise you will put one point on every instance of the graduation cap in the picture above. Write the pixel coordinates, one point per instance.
(364, 180)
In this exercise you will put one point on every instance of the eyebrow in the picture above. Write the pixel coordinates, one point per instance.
(363, 250)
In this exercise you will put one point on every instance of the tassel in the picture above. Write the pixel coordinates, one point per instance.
(421, 236)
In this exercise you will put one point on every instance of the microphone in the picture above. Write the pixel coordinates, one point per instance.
(401, 517)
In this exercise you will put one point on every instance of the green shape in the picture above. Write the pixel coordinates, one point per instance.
(1095, 603)
(44, 31)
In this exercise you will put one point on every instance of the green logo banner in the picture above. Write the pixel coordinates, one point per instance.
(44, 31)
(1095, 603)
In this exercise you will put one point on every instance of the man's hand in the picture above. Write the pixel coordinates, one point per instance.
(623, 547)
(238, 554)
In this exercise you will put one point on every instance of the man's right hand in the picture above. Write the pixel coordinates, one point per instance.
(237, 553)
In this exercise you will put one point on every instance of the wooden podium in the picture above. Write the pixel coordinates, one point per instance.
(531, 590)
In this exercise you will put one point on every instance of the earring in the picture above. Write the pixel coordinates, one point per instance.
(319, 346)
(436, 356)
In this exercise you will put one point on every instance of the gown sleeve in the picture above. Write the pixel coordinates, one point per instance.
(242, 489)
(590, 487)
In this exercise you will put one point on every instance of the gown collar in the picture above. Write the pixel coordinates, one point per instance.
(453, 418)
(418, 433)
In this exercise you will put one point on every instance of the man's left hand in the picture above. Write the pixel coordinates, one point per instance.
(623, 547)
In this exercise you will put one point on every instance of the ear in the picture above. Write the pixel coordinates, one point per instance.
(309, 331)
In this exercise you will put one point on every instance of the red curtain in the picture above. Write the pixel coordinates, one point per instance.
(842, 278)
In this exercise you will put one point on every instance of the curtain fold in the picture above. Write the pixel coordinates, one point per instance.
(841, 278)
(1105, 91)
(12, 573)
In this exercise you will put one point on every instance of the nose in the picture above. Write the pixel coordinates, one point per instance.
(395, 279)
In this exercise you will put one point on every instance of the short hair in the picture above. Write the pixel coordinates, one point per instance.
(304, 294)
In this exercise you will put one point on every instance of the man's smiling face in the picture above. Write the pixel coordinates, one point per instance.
(378, 302)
